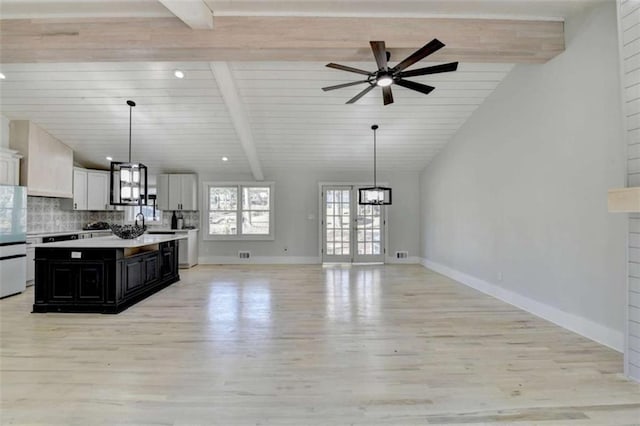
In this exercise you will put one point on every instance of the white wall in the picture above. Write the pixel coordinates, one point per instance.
(296, 197)
(516, 203)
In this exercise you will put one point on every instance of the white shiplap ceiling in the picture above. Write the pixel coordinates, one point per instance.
(185, 125)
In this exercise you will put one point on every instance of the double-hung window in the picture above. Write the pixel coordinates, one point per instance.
(239, 211)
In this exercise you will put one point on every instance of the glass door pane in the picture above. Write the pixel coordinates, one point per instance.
(351, 232)
(369, 234)
(337, 219)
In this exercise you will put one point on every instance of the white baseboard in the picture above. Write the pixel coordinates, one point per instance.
(259, 260)
(410, 259)
(583, 326)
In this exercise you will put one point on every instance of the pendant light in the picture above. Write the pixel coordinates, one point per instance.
(128, 180)
(375, 195)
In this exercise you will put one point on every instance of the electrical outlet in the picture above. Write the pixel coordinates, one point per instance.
(499, 275)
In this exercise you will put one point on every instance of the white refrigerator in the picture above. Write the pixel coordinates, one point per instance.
(13, 239)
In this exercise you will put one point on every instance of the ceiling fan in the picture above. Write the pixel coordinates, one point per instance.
(385, 76)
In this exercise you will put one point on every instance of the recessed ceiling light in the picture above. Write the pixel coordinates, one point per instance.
(109, 159)
(178, 74)
(2, 76)
(225, 158)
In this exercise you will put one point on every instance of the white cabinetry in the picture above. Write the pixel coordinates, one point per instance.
(188, 249)
(79, 189)
(47, 165)
(90, 191)
(9, 167)
(98, 182)
(177, 192)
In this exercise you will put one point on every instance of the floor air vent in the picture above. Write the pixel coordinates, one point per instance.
(402, 254)
(244, 254)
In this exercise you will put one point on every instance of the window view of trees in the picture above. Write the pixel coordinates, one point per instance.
(252, 211)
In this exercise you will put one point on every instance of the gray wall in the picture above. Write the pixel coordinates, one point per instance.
(4, 132)
(518, 197)
(296, 197)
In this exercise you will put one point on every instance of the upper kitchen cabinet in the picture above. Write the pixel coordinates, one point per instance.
(46, 168)
(177, 192)
(90, 191)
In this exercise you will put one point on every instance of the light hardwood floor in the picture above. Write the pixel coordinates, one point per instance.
(306, 345)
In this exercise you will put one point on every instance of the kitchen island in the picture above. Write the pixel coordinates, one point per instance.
(103, 275)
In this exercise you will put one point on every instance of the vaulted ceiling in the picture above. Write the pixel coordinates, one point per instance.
(72, 76)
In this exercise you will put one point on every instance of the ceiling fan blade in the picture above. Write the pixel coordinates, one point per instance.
(419, 54)
(451, 66)
(380, 53)
(340, 86)
(361, 94)
(346, 68)
(419, 87)
(387, 95)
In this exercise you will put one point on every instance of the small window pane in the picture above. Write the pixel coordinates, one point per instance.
(329, 235)
(224, 198)
(255, 198)
(329, 209)
(222, 223)
(255, 223)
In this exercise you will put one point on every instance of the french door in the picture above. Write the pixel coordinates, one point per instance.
(350, 232)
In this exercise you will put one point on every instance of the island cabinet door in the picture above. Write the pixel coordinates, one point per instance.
(134, 274)
(77, 282)
(63, 278)
(151, 268)
(91, 279)
(169, 261)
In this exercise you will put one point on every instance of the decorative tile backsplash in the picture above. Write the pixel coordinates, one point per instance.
(190, 218)
(45, 215)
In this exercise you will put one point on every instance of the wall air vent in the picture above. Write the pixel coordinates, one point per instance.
(402, 254)
(244, 254)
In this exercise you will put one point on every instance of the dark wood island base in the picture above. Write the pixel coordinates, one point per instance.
(104, 279)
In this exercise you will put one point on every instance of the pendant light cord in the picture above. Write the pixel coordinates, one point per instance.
(130, 109)
(374, 128)
(131, 105)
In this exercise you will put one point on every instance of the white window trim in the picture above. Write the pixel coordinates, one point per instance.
(249, 237)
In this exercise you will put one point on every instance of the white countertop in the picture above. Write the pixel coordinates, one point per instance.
(113, 242)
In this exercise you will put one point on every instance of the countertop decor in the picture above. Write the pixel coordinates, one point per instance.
(128, 232)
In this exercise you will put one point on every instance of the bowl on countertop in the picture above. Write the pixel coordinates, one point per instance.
(127, 232)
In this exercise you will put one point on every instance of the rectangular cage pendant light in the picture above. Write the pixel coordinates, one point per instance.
(128, 181)
(128, 184)
(374, 195)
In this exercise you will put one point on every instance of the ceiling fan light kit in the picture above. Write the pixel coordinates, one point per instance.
(374, 195)
(128, 181)
(386, 76)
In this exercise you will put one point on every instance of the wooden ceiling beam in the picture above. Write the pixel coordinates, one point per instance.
(194, 13)
(276, 39)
